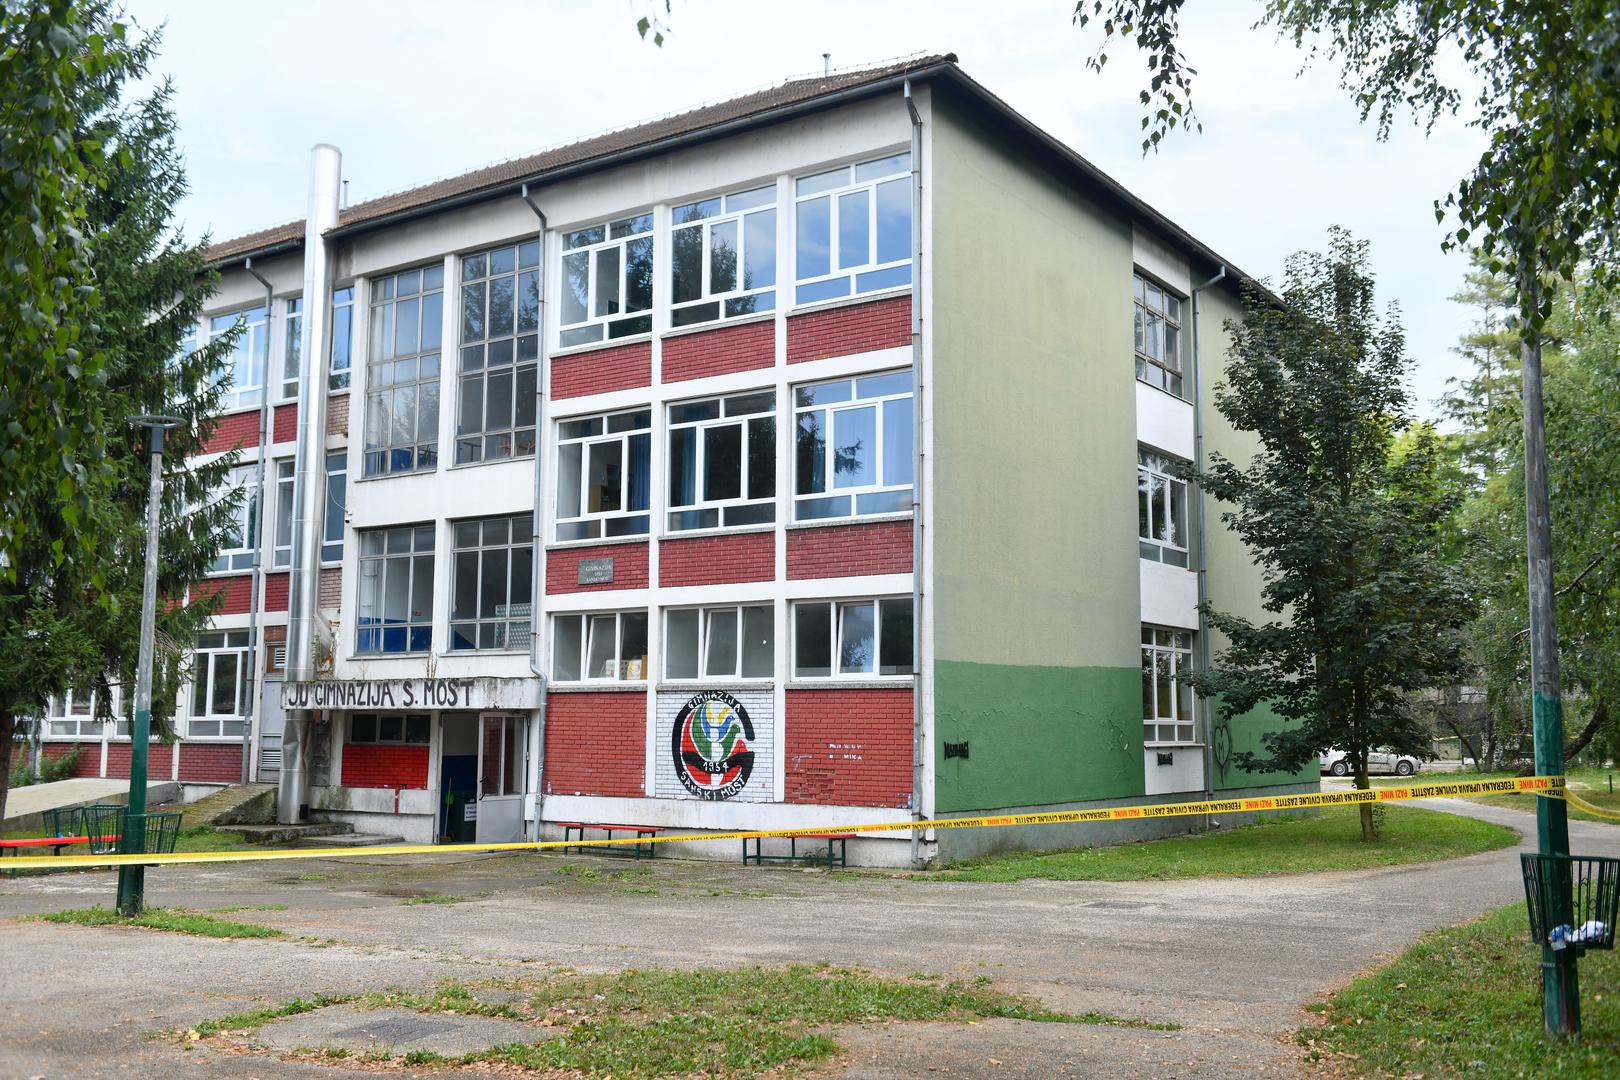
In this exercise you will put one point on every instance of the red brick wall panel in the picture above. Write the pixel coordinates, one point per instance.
(157, 761)
(877, 547)
(596, 744)
(849, 747)
(382, 765)
(204, 763)
(600, 370)
(238, 593)
(275, 591)
(720, 352)
(331, 588)
(88, 762)
(847, 331)
(237, 429)
(629, 567)
(285, 426)
(337, 415)
(713, 560)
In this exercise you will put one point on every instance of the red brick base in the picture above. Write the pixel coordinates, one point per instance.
(596, 744)
(849, 747)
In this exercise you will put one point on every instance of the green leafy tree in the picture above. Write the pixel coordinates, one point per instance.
(1343, 507)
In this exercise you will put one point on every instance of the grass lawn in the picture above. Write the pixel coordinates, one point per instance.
(179, 921)
(659, 1023)
(1330, 840)
(191, 838)
(1466, 1002)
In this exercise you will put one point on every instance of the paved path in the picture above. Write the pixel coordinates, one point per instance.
(1231, 960)
(25, 804)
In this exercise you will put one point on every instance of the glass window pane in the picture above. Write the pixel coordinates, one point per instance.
(854, 442)
(722, 462)
(811, 454)
(809, 185)
(565, 647)
(747, 200)
(599, 663)
(1162, 687)
(899, 443)
(464, 587)
(633, 645)
(894, 646)
(723, 257)
(576, 288)
(687, 264)
(638, 271)
(856, 639)
(894, 221)
(759, 250)
(682, 466)
(814, 238)
(568, 477)
(492, 586)
(872, 170)
(762, 458)
(720, 658)
(758, 642)
(812, 640)
(604, 485)
(681, 646)
(607, 283)
(640, 472)
(1147, 685)
(854, 229)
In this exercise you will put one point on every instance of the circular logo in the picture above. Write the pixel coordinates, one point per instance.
(712, 745)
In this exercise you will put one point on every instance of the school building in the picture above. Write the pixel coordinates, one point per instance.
(774, 464)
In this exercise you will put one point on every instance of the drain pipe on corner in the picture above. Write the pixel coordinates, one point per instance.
(918, 747)
(250, 707)
(535, 560)
(1203, 568)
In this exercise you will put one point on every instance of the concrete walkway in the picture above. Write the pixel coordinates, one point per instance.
(1232, 960)
(24, 805)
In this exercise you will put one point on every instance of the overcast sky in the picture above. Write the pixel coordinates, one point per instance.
(414, 90)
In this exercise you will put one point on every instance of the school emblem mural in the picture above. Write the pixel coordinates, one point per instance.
(712, 745)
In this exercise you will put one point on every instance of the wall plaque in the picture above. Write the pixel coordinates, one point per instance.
(596, 571)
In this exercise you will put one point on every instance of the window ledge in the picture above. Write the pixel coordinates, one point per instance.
(361, 658)
(564, 545)
(598, 346)
(698, 686)
(483, 652)
(520, 460)
(1167, 393)
(696, 534)
(887, 682)
(823, 523)
(1172, 745)
(848, 301)
(363, 479)
(592, 688)
(717, 324)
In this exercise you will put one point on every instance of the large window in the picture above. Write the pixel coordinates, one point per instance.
(491, 590)
(724, 257)
(1161, 509)
(720, 643)
(242, 532)
(851, 638)
(292, 346)
(1158, 336)
(402, 377)
(500, 347)
(1167, 698)
(407, 729)
(722, 462)
(395, 609)
(604, 475)
(286, 479)
(339, 359)
(853, 229)
(599, 648)
(854, 447)
(221, 679)
(247, 360)
(73, 715)
(607, 281)
(337, 483)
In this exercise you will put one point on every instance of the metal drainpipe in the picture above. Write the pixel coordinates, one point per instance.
(256, 599)
(1203, 569)
(539, 548)
(918, 749)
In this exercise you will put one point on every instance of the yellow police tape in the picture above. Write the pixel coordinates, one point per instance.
(1576, 801)
(1549, 785)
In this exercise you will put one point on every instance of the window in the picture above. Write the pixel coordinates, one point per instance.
(1158, 336)
(73, 715)
(853, 229)
(720, 643)
(604, 475)
(286, 477)
(395, 610)
(402, 378)
(221, 679)
(851, 638)
(409, 729)
(1161, 509)
(1167, 699)
(724, 259)
(854, 447)
(500, 347)
(342, 337)
(247, 360)
(599, 648)
(292, 349)
(722, 462)
(493, 583)
(236, 549)
(607, 281)
(337, 483)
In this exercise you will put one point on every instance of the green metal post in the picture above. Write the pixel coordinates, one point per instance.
(132, 879)
(1560, 988)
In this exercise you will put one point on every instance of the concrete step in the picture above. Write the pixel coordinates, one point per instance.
(239, 804)
(287, 834)
(348, 840)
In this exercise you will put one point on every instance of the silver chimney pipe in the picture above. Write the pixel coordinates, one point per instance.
(309, 491)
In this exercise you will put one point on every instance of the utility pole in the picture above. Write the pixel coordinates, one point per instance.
(1560, 997)
(132, 879)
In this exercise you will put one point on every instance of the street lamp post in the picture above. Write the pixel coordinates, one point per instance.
(132, 879)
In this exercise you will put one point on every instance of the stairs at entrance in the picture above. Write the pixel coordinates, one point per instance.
(312, 834)
(239, 804)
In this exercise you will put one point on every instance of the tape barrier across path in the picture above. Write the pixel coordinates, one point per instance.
(1548, 785)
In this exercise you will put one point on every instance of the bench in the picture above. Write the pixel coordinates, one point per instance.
(635, 847)
(57, 842)
(842, 839)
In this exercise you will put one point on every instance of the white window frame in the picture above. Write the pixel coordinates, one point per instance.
(333, 521)
(705, 217)
(249, 358)
(854, 495)
(598, 524)
(1172, 646)
(588, 624)
(685, 517)
(292, 342)
(1156, 491)
(511, 436)
(64, 711)
(705, 619)
(239, 556)
(373, 566)
(202, 719)
(839, 609)
(340, 358)
(1156, 364)
(857, 279)
(598, 326)
(284, 483)
(515, 635)
(384, 369)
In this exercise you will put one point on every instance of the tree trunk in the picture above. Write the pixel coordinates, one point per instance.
(8, 729)
(1369, 827)
(1600, 720)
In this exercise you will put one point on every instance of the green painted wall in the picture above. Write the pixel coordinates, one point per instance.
(1234, 578)
(1035, 593)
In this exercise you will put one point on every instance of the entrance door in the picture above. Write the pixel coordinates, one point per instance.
(272, 722)
(503, 766)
